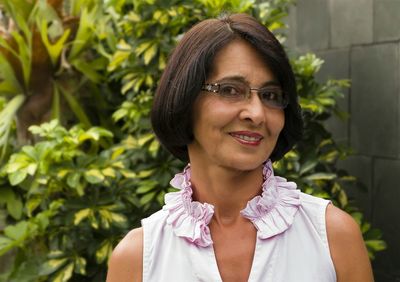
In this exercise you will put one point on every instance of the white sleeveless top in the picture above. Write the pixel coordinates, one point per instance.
(291, 243)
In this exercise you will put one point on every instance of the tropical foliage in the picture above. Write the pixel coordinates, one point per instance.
(80, 165)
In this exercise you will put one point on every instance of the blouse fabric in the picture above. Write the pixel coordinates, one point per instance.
(291, 240)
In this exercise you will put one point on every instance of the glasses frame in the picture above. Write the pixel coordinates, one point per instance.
(214, 88)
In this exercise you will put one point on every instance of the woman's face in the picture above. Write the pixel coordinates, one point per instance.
(242, 134)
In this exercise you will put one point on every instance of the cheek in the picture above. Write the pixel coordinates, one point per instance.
(277, 122)
(211, 115)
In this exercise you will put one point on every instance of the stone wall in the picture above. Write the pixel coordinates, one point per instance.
(360, 40)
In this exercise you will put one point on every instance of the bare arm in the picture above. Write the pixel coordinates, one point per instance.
(126, 262)
(347, 247)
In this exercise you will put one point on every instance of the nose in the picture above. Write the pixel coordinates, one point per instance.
(253, 109)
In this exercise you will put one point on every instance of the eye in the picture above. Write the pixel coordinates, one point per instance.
(230, 90)
(272, 96)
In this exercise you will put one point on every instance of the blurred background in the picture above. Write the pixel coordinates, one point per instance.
(359, 40)
(80, 166)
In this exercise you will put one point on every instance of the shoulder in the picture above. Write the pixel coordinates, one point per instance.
(347, 247)
(126, 262)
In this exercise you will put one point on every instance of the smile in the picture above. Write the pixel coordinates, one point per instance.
(248, 138)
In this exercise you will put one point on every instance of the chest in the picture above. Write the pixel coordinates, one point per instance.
(234, 253)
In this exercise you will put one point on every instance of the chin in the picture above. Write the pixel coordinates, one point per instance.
(245, 163)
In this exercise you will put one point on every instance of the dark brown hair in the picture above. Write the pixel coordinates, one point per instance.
(187, 70)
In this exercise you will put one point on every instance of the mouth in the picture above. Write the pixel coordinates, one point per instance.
(247, 138)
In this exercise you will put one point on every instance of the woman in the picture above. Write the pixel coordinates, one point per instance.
(227, 104)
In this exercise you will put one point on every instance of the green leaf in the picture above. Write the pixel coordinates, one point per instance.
(6, 244)
(85, 32)
(54, 50)
(80, 265)
(86, 69)
(149, 54)
(65, 273)
(376, 245)
(7, 116)
(110, 172)
(17, 231)
(94, 176)
(142, 47)
(15, 207)
(81, 215)
(52, 265)
(75, 107)
(321, 176)
(12, 201)
(103, 252)
(147, 198)
(25, 54)
(118, 218)
(146, 186)
(9, 83)
(16, 178)
(73, 179)
(307, 166)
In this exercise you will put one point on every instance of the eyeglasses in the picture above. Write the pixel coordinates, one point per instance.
(270, 95)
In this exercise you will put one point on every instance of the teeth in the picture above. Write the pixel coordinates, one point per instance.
(247, 138)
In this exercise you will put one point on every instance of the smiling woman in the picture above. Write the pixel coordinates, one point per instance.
(227, 104)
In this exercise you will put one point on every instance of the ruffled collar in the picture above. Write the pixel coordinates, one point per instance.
(272, 212)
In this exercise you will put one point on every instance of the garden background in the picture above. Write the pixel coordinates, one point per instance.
(80, 165)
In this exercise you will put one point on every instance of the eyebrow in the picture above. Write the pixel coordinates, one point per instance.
(244, 80)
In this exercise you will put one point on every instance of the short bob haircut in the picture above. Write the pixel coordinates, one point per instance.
(187, 70)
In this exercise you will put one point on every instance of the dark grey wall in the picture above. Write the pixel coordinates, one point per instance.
(360, 40)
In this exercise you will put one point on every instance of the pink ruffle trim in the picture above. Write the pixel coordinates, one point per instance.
(272, 213)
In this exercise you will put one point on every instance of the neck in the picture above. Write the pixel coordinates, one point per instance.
(228, 190)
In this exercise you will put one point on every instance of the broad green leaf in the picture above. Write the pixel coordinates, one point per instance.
(64, 274)
(94, 176)
(377, 245)
(149, 54)
(16, 178)
(143, 47)
(13, 202)
(17, 231)
(73, 179)
(80, 265)
(118, 58)
(110, 172)
(6, 244)
(103, 252)
(52, 266)
(118, 218)
(146, 186)
(147, 198)
(81, 215)
(15, 207)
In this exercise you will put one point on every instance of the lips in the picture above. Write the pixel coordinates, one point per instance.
(247, 137)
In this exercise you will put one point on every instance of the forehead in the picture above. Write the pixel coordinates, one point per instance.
(239, 58)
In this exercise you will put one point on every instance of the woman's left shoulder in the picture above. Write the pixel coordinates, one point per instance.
(347, 247)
